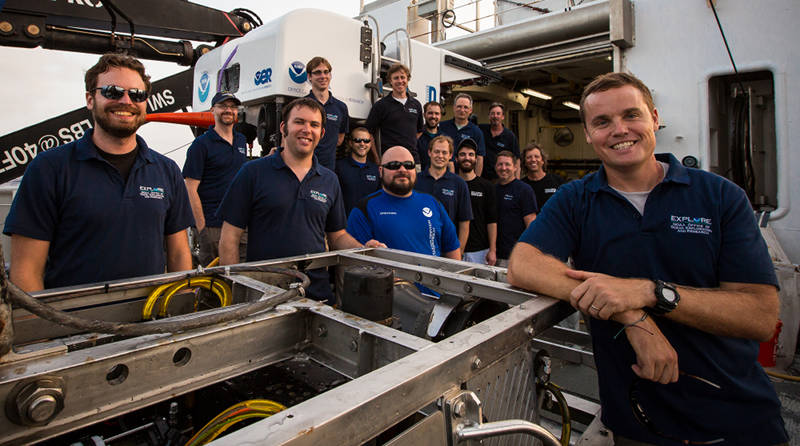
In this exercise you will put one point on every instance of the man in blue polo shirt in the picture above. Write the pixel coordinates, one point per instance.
(103, 207)
(358, 175)
(460, 128)
(337, 119)
(516, 206)
(211, 163)
(671, 267)
(401, 217)
(287, 201)
(397, 117)
(433, 114)
(446, 186)
(497, 138)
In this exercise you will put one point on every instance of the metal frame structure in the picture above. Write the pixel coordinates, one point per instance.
(55, 380)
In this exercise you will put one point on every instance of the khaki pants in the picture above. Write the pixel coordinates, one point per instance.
(208, 240)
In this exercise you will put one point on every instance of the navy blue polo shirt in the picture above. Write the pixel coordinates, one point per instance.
(214, 161)
(357, 180)
(417, 223)
(697, 230)
(514, 201)
(468, 131)
(398, 123)
(337, 121)
(451, 190)
(422, 149)
(283, 215)
(100, 228)
(506, 140)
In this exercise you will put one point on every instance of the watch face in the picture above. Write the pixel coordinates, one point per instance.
(668, 294)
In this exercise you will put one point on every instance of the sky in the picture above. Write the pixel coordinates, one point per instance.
(38, 84)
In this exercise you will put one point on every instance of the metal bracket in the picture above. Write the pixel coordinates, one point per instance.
(464, 417)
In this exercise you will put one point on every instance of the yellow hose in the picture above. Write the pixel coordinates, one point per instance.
(232, 415)
(216, 285)
(783, 376)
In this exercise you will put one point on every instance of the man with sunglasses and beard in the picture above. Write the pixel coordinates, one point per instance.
(103, 207)
(402, 217)
(671, 267)
(211, 163)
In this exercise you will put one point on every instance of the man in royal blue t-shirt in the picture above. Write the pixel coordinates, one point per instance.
(401, 217)
(671, 268)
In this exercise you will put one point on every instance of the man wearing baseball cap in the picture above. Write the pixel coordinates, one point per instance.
(211, 163)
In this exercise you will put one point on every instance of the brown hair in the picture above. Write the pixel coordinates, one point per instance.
(299, 103)
(114, 60)
(507, 153)
(432, 104)
(442, 138)
(317, 61)
(528, 148)
(372, 153)
(498, 104)
(615, 80)
(395, 68)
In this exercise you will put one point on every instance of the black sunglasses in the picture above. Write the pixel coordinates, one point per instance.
(364, 140)
(394, 165)
(114, 93)
(644, 420)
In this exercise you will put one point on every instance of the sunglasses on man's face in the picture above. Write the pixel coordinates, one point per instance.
(364, 140)
(395, 165)
(114, 93)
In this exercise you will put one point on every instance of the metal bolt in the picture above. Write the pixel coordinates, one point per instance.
(459, 409)
(246, 26)
(436, 281)
(476, 364)
(530, 331)
(42, 408)
(353, 345)
(33, 30)
(6, 27)
(467, 288)
(322, 331)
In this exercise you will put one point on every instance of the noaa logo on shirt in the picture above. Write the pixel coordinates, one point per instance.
(332, 117)
(156, 193)
(204, 87)
(690, 225)
(371, 177)
(508, 197)
(427, 212)
(297, 71)
(476, 193)
(550, 190)
(242, 150)
(448, 192)
(319, 196)
(499, 144)
(413, 110)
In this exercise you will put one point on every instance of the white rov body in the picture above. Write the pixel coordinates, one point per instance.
(269, 63)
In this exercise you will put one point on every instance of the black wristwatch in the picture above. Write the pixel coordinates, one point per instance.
(667, 298)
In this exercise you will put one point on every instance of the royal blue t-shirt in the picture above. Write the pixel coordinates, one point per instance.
(417, 223)
(697, 230)
(468, 131)
(337, 121)
(283, 215)
(357, 180)
(515, 200)
(214, 161)
(451, 190)
(100, 228)
(506, 140)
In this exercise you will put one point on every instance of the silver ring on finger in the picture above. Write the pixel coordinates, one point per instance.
(594, 308)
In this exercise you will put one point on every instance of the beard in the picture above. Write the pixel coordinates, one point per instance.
(398, 188)
(117, 129)
(466, 166)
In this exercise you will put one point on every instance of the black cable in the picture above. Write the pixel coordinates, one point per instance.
(728, 48)
(47, 312)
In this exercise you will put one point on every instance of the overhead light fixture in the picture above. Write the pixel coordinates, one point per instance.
(536, 94)
(571, 105)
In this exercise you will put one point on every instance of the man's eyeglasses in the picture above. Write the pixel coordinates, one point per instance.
(395, 165)
(320, 72)
(644, 420)
(227, 107)
(114, 93)
(364, 140)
